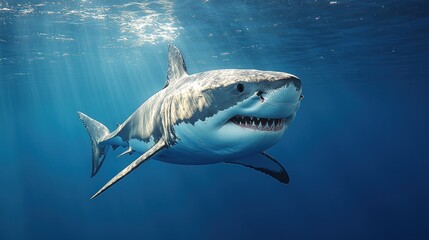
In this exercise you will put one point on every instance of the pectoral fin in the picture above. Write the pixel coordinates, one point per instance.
(266, 164)
(145, 156)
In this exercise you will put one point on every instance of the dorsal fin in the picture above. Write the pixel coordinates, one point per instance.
(176, 65)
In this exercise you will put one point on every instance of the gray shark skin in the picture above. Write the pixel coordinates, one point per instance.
(229, 115)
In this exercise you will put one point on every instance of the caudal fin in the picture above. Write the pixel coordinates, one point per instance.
(97, 132)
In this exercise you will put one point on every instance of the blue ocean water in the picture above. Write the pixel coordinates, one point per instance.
(357, 152)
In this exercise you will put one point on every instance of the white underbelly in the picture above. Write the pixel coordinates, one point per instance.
(183, 152)
(201, 143)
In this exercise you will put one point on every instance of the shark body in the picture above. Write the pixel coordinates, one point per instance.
(229, 115)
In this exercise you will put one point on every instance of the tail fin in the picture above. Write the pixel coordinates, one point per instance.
(97, 132)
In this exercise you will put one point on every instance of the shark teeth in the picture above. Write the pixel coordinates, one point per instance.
(261, 124)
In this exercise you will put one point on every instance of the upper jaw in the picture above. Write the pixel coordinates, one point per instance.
(261, 123)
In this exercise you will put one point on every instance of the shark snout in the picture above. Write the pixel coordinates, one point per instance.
(288, 94)
(291, 79)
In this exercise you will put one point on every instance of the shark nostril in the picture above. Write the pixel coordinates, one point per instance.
(259, 94)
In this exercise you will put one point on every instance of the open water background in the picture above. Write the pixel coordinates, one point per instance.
(357, 152)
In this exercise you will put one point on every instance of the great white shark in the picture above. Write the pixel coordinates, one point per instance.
(228, 115)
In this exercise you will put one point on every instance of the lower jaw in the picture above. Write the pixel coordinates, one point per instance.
(264, 129)
(275, 128)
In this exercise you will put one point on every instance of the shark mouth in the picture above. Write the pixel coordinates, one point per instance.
(261, 124)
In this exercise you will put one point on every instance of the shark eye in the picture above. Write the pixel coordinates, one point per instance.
(240, 87)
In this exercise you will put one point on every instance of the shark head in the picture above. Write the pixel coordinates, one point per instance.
(230, 112)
